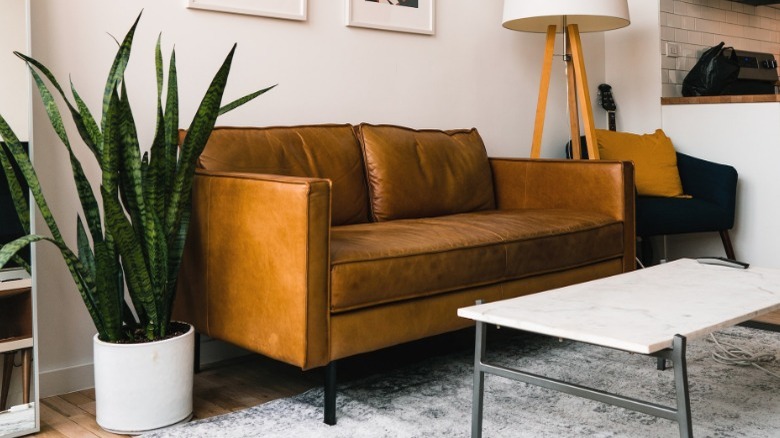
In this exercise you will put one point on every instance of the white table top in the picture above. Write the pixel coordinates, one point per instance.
(641, 311)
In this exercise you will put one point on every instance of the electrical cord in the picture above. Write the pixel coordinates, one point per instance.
(730, 354)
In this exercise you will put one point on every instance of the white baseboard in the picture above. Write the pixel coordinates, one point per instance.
(66, 380)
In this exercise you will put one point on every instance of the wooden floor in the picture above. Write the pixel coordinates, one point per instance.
(246, 382)
(228, 387)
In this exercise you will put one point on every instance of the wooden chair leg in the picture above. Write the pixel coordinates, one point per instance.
(8, 367)
(724, 237)
(26, 374)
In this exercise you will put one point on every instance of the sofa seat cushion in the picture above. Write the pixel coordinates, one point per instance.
(404, 259)
(657, 216)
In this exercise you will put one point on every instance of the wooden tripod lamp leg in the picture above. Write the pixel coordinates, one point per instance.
(544, 87)
(583, 94)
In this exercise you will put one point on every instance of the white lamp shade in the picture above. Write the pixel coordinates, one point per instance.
(589, 15)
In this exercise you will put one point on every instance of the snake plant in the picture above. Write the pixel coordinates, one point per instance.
(127, 257)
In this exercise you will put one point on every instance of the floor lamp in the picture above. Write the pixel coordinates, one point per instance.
(570, 17)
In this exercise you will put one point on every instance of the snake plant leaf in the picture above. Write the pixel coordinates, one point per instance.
(52, 111)
(88, 128)
(83, 187)
(154, 188)
(240, 101)
(139, 283)
(18, 196)
(109, 163)
(147, 227)
(130, 161)
(21, 207)
(171, 150)
(83, 121)
(129, 322)
(22, 263)
(132, 167)
(85, 253)
(110, 295)
(28, 172)
(158, 65)
(148, 188)
(153, 171)
(194, 142)
(176, 249)
(118, 67)
(84, 283)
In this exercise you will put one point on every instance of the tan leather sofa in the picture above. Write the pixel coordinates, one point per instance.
(309, 244)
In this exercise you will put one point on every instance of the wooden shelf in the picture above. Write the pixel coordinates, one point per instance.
(751, 98)
(15, 310)
(13, 344)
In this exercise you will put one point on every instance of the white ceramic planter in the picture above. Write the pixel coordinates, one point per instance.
(142, 387)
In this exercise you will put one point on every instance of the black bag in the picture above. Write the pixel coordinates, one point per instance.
(712, 73)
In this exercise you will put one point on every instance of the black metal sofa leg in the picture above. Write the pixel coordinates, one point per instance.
(196, 358)
(724, 237)
(330, 394)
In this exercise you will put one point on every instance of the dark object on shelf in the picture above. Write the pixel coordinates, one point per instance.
(757, 74)
(717, 67)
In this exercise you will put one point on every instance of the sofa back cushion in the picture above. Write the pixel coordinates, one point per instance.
(425, 173)
(318, 151)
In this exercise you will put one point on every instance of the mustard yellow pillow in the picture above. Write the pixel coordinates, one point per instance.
(655, 161)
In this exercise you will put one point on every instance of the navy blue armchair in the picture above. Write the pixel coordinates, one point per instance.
(713, 188)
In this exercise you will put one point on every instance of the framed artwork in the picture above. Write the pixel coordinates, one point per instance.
(416, 16)
(287, 9)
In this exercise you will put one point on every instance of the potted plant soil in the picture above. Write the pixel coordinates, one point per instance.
(128, 253)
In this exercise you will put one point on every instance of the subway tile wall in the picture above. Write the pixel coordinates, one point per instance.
(692, 26)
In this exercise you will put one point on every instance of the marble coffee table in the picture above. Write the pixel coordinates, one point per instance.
(651, 311)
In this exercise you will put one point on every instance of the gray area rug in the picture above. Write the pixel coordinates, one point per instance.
(433, 398)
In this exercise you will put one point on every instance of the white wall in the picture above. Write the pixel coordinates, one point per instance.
(744, 136)
(14, 97)
(471, 73)
(633, 69)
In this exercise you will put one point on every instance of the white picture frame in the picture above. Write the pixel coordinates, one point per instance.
(383, 15)
(286, 9)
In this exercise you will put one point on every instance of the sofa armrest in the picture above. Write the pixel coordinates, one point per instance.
(716, 183)
(605, 187)
(256, 264)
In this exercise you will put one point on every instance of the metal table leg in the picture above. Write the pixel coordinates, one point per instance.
(682, 413)
(479, 382)
(681, 386)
